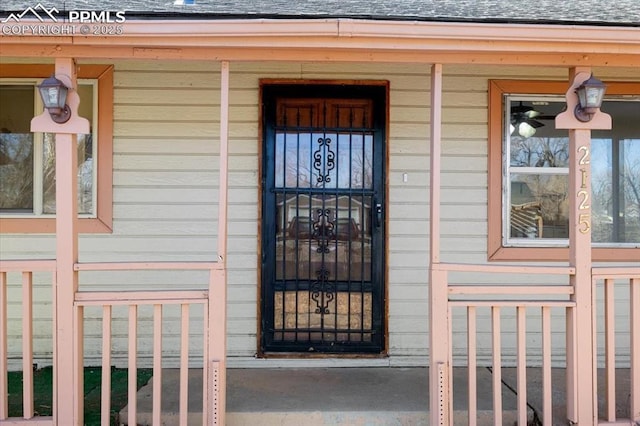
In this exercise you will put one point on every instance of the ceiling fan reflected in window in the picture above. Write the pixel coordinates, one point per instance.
(523, 119)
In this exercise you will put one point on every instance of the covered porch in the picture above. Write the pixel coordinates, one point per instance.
(577, 294)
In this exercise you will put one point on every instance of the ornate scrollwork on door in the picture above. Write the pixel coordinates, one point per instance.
(324, 160)
(322, 291)
(323, 225)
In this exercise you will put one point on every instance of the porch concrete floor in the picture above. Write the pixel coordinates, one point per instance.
(357, 396)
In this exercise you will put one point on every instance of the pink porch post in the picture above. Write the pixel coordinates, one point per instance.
(581, 395)
(67, 365)
(67, 352)
(218, 283)
(439, 368)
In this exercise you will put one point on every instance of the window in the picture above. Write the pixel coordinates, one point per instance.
(528, 174)
(27, 160)
(27, 171)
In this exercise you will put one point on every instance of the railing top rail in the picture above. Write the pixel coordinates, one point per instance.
(511, 289)
(145, 266)
(34, 421)
(140, 297)
(46, 265)
(514, 303)
(507, 269)
(631, 272)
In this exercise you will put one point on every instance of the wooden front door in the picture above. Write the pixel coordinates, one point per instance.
(323, 220)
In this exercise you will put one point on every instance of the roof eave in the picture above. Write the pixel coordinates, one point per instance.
(357, 36)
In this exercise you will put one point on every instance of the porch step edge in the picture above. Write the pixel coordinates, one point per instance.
(328, 418)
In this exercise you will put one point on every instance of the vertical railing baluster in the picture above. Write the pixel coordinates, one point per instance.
(522, 364)
(471, 364)
(4, 379)
(133, 372)
(547, 414)
(497, 366)
(27, 345)
(105, 407)
(78, 352)
(54, 334)
(206, 373)
(450, 364)
(610, 348)
(184, 364)
(571, 374)
(634, 313)
(157, 364)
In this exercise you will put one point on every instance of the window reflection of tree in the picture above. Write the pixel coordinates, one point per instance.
(616, 197)
(631, 183)
(16, 170)
(353, 161)
(85, 174)
(358, 178)
(539, 152)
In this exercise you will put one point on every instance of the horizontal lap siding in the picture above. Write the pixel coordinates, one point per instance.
(166, 125)
(166, 165)
(464, 200)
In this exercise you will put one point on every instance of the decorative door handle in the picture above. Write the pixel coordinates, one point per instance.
(377, 214)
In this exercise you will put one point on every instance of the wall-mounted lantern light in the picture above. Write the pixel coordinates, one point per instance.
(54, 96)
(590, 95)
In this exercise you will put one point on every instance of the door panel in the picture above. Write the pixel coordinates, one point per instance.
(322, 242)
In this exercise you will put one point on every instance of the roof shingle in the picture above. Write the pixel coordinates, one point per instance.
(612, 12)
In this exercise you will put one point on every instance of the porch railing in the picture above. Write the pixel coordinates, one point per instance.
(24, 270)
(523, 299)
(609, 280)
(208, 299)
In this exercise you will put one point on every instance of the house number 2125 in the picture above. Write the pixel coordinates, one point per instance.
(584, 219)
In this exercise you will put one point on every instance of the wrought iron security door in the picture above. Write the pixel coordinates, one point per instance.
(322, 275)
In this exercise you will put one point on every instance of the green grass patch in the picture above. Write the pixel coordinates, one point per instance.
(43, 391)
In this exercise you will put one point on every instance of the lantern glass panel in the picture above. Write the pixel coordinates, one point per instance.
(594, 97)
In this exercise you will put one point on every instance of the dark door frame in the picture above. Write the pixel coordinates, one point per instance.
(378, 91)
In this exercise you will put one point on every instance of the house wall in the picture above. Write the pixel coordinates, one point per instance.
(165, 200)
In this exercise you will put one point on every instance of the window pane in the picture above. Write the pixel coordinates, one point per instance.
(85, 174)
(539, 151)
(630, 184)
(533, 139)
(324, 160)
(16, 147)
(616, 190)
(539, 206)
(16, 171)
(85, 162)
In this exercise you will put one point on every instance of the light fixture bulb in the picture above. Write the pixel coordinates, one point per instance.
(526, 130)
(52, 94)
